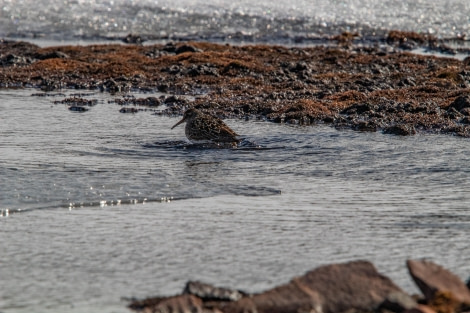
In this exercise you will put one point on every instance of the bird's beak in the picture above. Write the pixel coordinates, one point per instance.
(182, 120)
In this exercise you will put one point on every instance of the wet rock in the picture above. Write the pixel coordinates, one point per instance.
(359, 108)
(366, 126)
(400, 130)
(77, 101)
(76, 108)
(163, 87)
(460, 103)
(52, 55)
(407, 81)
(113, 86)
(202, 69)
(186, 48)
(128, 110)
(432, 278)
(465, 120)
(169, 47)
(173, 69)
(210, 293)
(133, 39)
(15, 60)
(409, 40)
(151, 101)
(20, 48)
(172, 100)
(176, 304)
(128, 100)
(50, 85)
(452, 113)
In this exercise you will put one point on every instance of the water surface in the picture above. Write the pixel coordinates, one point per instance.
(225, 20)
(102, 205)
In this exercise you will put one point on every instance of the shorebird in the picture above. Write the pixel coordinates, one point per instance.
(205, 128)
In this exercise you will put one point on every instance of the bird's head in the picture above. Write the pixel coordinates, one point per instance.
(188, 114)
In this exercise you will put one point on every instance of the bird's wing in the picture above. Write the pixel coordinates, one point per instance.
(213, 129)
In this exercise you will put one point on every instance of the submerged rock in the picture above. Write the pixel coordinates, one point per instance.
(401, 130)
(76, 108)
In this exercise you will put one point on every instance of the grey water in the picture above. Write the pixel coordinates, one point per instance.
(101, 205)
(224, 20)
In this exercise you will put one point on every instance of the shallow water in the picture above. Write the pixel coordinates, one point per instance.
(103, 205)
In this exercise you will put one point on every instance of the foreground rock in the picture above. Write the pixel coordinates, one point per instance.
(360, 88)
(354, 286)
(433, 281)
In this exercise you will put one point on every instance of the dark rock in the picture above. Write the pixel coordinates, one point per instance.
(401, 130)
(77, 101)
(298, 67)
(173, 69)
(133, 39)
(152, 101)
(358, 108)
(461, 103)
(465, 111)
(201, 69)
(407, 81)
(52, 55)
(365, 126)
(465, 120)
(171, 100)
(169, 47)
(78, 108)
(15, 60)
(162, 87)
(210, 293)
(128, 110)
(432, 278)
(186, 48)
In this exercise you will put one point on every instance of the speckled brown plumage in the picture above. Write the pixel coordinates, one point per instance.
(201, 127)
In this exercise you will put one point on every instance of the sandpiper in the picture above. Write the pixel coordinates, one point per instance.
(201, 127)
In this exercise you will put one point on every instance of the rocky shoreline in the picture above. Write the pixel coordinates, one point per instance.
(352, 287)
(379, 87)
